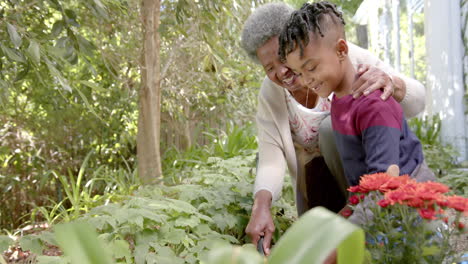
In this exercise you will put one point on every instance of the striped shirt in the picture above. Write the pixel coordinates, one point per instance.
(372, 134)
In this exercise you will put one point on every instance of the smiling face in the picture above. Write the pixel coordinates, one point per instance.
(276, 70)
(323, 66)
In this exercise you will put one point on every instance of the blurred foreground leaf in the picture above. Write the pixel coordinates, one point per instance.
(79, 241)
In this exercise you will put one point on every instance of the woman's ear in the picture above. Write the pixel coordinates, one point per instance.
(342, 49)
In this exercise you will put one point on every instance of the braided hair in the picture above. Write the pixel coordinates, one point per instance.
(310, 18)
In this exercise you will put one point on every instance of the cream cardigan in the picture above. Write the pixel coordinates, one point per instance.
(276, 147)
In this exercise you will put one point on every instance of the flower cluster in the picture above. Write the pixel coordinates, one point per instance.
(409, 218)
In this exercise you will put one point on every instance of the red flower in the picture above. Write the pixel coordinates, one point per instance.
(458, 203)
(384, 203)
(461, 225)
(402, 194)
(442, 201)
(356, 189)
(346, 212)
(354, 200)
(427, 213)
(415, 202)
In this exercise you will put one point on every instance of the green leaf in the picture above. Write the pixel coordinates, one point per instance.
(171, 235)
(79, 241)
(20, 76)
(165, 255)
(13, 54)
(192, 221)
(5, 242)
(34, 52)
(227, 254)
(32, 243)
(51, 260)
(85, 46)
(121, 249)
(431, 250)
(57, 28)
(14, 36)
(93, 86)
(315, 235)
(63, 82)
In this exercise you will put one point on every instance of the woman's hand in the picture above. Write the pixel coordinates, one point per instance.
(261, 222)
(371, 78)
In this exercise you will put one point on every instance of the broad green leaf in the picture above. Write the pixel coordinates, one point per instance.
(120, 249)
(167, 255)
(315, 235)
(5, 242)
(51, 260)
(34, 52)
(79, 241)
(14, 36)
(171, 235)
(191, 221)
(31, 242)
(228, 254)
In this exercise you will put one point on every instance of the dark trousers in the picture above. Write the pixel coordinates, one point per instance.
(322, 188)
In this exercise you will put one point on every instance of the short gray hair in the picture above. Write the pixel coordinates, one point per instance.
(264, 23)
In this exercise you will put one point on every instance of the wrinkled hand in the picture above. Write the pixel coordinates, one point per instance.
(370, 78)
(261, 224)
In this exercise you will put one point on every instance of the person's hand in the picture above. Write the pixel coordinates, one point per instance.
(370, 78)
(393, 170)
(261, 222)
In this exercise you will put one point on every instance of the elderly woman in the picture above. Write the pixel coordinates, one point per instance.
(294, 127)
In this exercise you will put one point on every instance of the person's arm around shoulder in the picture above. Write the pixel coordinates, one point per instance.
(374, 74)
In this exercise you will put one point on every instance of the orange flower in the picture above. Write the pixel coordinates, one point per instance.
(427, 195)
(372, 182)
(402, 194)
(434, 187)
(458, 203)
(395, 183)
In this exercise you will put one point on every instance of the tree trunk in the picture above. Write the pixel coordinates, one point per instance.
(149, 120)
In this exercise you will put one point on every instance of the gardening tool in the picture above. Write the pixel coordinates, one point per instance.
(260, 246)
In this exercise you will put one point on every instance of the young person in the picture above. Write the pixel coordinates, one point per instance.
(370, 134)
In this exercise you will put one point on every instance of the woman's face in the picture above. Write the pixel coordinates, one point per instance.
(277, 71)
